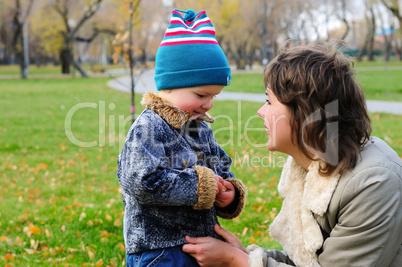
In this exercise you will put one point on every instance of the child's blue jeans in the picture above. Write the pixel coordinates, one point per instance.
(173, 257)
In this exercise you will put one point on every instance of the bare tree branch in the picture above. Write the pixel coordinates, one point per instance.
(92, 9)
(95, 33)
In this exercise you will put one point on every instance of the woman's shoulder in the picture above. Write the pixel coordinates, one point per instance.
(378, 166)
(378, 154)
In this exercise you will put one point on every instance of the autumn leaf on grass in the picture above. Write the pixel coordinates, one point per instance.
(244, 231)
(63, 147)
(19, 241)
(108, 217)
(272, 214)
(99, 263)
(104, 236)
(121, 246)
(32, 230)
(117, 223)
(42, 166)
(9, 257)
(82, 216)
(91, 255)
(29, 251)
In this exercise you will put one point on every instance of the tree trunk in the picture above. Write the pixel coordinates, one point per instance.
(65, 60)
(370, 47)
(24, 56)
(78, 66)
(363, 51)
(241, 58)
(347, 29)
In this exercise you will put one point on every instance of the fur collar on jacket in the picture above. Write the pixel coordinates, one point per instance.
(306, 194)
(171, 114)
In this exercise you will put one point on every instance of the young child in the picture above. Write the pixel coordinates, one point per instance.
(174, 176)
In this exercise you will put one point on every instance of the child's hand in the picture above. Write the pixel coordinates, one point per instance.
(226, 195)
(219, 183)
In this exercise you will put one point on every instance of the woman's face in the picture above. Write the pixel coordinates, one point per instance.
(277, 122)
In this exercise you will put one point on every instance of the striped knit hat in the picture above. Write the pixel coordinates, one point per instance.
(189, 54)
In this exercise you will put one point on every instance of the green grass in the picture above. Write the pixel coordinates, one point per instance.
(45, 69)
(61, 202)
(33, 69)
(378, 62)
(381, 84)
(378, 84)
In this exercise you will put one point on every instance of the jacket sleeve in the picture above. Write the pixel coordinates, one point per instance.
(260, 257)
(144, 174)
(368, 231)
(223, 170)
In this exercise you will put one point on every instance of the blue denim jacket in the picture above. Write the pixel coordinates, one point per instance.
(166, 171)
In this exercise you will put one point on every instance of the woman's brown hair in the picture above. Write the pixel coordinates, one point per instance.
(329, 117)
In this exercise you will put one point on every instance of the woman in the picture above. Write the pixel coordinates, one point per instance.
(342, 188)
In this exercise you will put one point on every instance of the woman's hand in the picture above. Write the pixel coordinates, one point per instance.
(230, 238)
(209, 251)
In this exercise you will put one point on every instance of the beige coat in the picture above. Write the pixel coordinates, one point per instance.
(353, 219)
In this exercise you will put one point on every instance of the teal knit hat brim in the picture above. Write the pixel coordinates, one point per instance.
(192, 78)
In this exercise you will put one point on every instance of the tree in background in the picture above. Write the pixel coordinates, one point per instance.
(393, 6)
(396, 10)
(70, 31)
(13, 32)
(370, 18)
(61, 24)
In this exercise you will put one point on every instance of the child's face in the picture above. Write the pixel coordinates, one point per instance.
(277, 122)
(196, 100)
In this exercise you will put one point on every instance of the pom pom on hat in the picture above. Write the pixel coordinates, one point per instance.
(189, 54)
(189, 15)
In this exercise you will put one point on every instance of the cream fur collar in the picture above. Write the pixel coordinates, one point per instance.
(171, 114)
(305, 193)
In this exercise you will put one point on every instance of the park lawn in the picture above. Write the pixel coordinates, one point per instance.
(49, 69)
(377, 84)
(33, 69)
(381, 84)
(378, 62)
(60, 198)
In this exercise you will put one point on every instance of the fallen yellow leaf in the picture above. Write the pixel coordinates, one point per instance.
(99, 263)
(34, 230)
(91, 255)
(117, 223)
(29, 251)
(9, 257)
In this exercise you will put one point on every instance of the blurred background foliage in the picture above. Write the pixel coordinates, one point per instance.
(96, 32)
